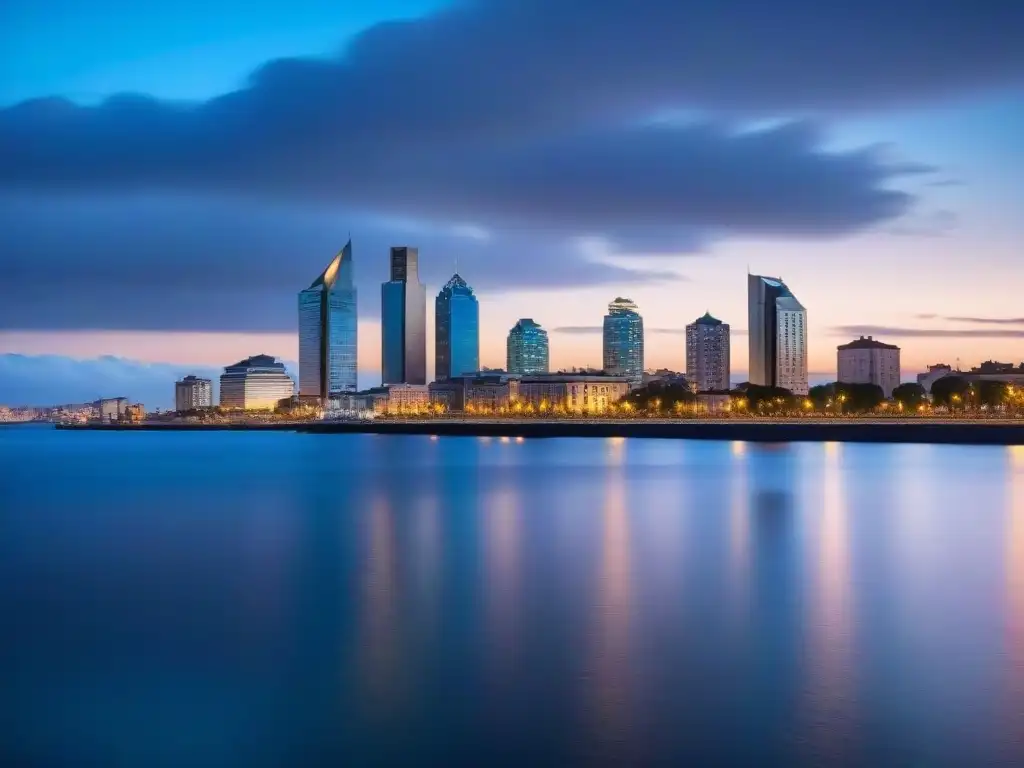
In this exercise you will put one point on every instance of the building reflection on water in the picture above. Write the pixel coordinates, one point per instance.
(502, 574)
(828, 705)
(607, 672)
(1013, 726)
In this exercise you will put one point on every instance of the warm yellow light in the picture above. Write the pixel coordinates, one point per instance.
(808, 404)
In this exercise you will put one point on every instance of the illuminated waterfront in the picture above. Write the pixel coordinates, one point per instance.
(299, 598)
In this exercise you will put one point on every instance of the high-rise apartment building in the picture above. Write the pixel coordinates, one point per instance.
(624, 341)
(404, 321)
(456, 330)
(866, 361)
(778, 335)
(527, 348)
(193, 392)
(256, 383)
(707, 354)
(328, 332)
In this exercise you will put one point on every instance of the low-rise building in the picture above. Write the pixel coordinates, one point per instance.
(111, 408)
(868, 361)
(714, 401)
(590, 394)
(450, 394)
(256, 383)
(990, 370)
(135, 413)
(935, 372)
(491, 392)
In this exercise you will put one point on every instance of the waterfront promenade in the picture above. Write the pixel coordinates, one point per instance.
(780, 430)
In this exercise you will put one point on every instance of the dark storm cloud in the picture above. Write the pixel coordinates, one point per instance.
(529, 118)
(155, 264)
(924, 333)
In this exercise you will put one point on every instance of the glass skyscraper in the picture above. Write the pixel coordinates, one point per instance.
(404, 321)
(624, 341)
(456, 330)
(778, 335)
(527, 348)
(328, 332)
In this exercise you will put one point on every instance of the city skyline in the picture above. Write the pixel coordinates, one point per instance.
(794, 151)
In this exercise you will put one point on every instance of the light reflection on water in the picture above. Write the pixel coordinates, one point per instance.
(465, 601)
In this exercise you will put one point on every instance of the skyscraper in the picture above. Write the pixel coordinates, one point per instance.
(527, 348)
(193, 392)
(404, 321)
(257, 383)
(624, 341)
(707, 353)
(778, 335)
(328, 332)
(456, 330)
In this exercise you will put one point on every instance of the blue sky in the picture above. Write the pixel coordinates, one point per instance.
(869, 154)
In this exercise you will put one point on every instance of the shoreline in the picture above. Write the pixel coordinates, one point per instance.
(776, 431)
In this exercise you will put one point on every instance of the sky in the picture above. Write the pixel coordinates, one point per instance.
(173, 173)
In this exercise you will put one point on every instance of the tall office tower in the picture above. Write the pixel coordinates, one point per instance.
(624, 341)
(403, 310)
(193, 392)
(456, 330)
(328, 332)
(527, 348)
(778, 335)
(707, 354)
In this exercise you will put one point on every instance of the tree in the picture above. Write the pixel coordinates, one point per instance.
(950, 391)
(769, 399)
(990, 393)
(857, 398)
(666, 396)
(910, 395)
(821, 395)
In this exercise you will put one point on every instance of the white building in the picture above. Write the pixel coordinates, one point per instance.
(866, 361)
(591, 394)
(256, 383)
(935, 372)
(111, 408)
(778, 335)
(707, 354)
(192, 393)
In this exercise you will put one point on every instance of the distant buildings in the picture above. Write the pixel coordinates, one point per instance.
(624, 341)
(192, 393)
(778, 335)
(456, 330)
(707, 354)
(867, 361)
(328, 332)
(404, 321)
(111, 408)
(256, 383)
(135, 413)
(991, 370)
(574, 392)
(527, 349)
(935, 372)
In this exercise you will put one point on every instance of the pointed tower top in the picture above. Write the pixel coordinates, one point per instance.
(330, 275)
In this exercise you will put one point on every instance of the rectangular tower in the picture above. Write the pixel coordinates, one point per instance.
(404, 321)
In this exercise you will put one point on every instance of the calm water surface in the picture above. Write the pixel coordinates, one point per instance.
(247, 599)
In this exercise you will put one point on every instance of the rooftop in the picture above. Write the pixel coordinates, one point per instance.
(866, 343)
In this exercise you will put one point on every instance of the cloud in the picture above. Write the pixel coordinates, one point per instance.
(582, 330)
(879, 331)
(530, 120)
(989, 320)
(45, 380)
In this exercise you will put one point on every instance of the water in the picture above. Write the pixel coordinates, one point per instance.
(249, 599)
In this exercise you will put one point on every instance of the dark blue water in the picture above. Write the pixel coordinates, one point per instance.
(233, 599)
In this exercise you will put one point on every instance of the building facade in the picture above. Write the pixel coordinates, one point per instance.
(256, 383)
(934, 373)
(489, 393)
(404, 321)
(867, 361)
(573, 392)
(111, 408)
(456, 330)
(192, 393)
(707, 354)
(527, 349)
(777, 324)
(623, 341)
(328, 332)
